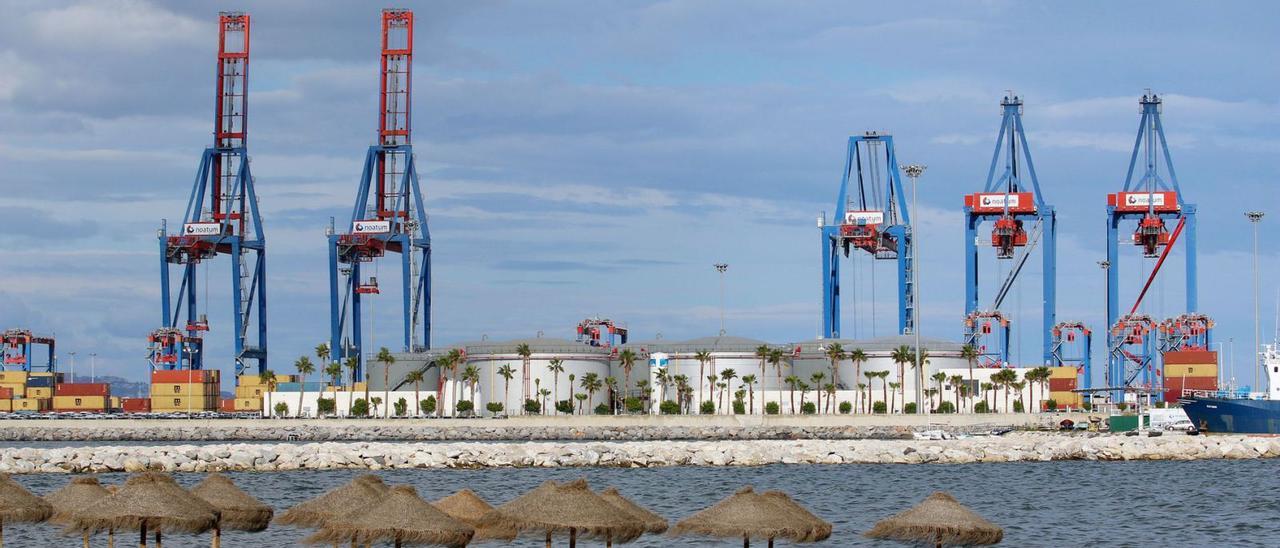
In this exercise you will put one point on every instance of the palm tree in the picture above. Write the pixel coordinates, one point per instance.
(957, 383)
(663, 377)
(728, 374)
(1038, 376)
(711, 380)
(304, 368)
(762, 353)
(893, 392)
(628, 360)
(352, 363)
(611, 383)
(987, 387)
(506, 372)
(792, 382)
(750, 382)
(862, 400)
(917, 374)
(268, 378)
(871, 385)
(590, 382)
(835, 353)
(416, 377)
(334, 371)
(817, 379)
(451, 361)
(543, 393)
(703, 357)
(471, 376)
(556, 367)
(322, 359)
(830, 389)
(901, 356)
(572, 395)
(1018, 386)
(682, 390)
(524, 352)
(775, 359)
(939, 378)
(1004, 379)
(858, 357)
(386, 359)
(970, 354)
(804, 389)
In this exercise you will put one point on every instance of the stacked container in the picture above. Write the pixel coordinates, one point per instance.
(135, 405)
(1062, 380)
(249, 392)
(84, 396)
(182, 390)
(1190, 370)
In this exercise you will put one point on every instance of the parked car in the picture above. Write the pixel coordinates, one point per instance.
(1183, 425)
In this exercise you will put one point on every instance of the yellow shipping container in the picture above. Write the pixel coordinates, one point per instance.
(253, 380)
(359, 387)
(6, 406)
(180, 389)
(17, 388)
(114, 402)
(1063, 372)
(34, 392)
(184, 403)
(31, 404)
(248, 404)
(1064, 399)
(1175, 370)
(13, 377)
(80, 403)
(243, 391)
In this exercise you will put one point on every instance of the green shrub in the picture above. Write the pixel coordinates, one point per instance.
(360, 408)
(494, 407)
(465, 407)
(532, 407)
(281, 409)
(1051, 405)
(634, 405)
(808, 408)
(428, 406)
(1122, 406)
(879, 408)
(981, 407)
(1017, 406)
(668, 407)
(401, 407)
(946, 407)
(1087, 406)
(909, 409)
(564, 406)
(739, 407)
(326, 406)
(1159, 405)
(846, 407)
(602, 409)
(771, 408)
(707, 408)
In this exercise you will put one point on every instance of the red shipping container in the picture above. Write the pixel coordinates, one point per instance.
(6, 393)
(184, 376)
(83, 389)
(227, 405)
(136, 405)
(1191, 383)
(1193, 357)
(1062, 385)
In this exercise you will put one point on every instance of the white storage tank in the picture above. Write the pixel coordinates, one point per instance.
(576, 359)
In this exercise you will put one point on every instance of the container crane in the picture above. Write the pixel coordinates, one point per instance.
(221, 219)
(874, 219)
(1009, 199)
(601, 332)
(17, 346)
(987, 331)
(1072, 346)
(388, 216)
(1152, 199)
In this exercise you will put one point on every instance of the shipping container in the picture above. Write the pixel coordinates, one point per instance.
(6, 406)
(1066, 372)
(38, 392)
(248, 404)
(83, 389)
(190, 389)
(1191, 383)
(1192, 357)
(135, 405)
(184, 403)
(1065, 399)
(254, 391)
(31, 404)
(1190, 370)
(312, 386)
(13, 377)
(80, 403)
(113, 403)
(6, 393)
(1062, 385)
(40, 382)
(185, 376)
(254, 380)
(227, 405)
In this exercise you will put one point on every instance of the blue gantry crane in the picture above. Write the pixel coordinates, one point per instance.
(1010, 197)
(388, 216)
(1072, 347)
(221, 218)
(873, 218)
(1151, 199)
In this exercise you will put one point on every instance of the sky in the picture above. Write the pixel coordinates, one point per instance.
(597, 158)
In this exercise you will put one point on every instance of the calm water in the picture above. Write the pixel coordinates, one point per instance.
(1202, 503)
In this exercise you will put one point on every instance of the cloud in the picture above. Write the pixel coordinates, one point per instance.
(117, 27)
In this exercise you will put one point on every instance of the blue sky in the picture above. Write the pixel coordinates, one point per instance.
(590, 158)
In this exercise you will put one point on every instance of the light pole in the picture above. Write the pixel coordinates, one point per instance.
(73, 366)
(721, 267)
(1255, 217)
(914, 171)
(93, 367)
(1105, 265)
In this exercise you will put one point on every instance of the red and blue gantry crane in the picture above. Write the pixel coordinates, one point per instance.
(388, 216)
(17, 346)
(1010, 198)
(221, 218)
(873, 218)
(1152, 199)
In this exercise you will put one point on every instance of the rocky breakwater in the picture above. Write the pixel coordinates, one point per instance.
(379, 455)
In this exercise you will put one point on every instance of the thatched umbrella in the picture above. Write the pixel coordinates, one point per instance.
(19, 505)
(653, 523)
(747, 515)
(356, 495)
(400, 517)
(939, 520)
(466, 506)
(77, 495)
(148, 501)
(236, 509)
(567, 508)
(820, 528)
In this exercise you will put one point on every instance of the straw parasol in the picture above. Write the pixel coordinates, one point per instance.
(19, 505)
(356, 495)
(400, 517)
(653, 523)
(939, 520)
(466, 506)
(236, 508)
(567, 508)
(80, 493)
(820, 528)
(747, 515)
(150, 500)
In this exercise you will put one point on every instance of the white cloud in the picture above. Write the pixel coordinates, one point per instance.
(117, 26)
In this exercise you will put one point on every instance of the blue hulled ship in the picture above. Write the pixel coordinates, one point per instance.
(1239, 413)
